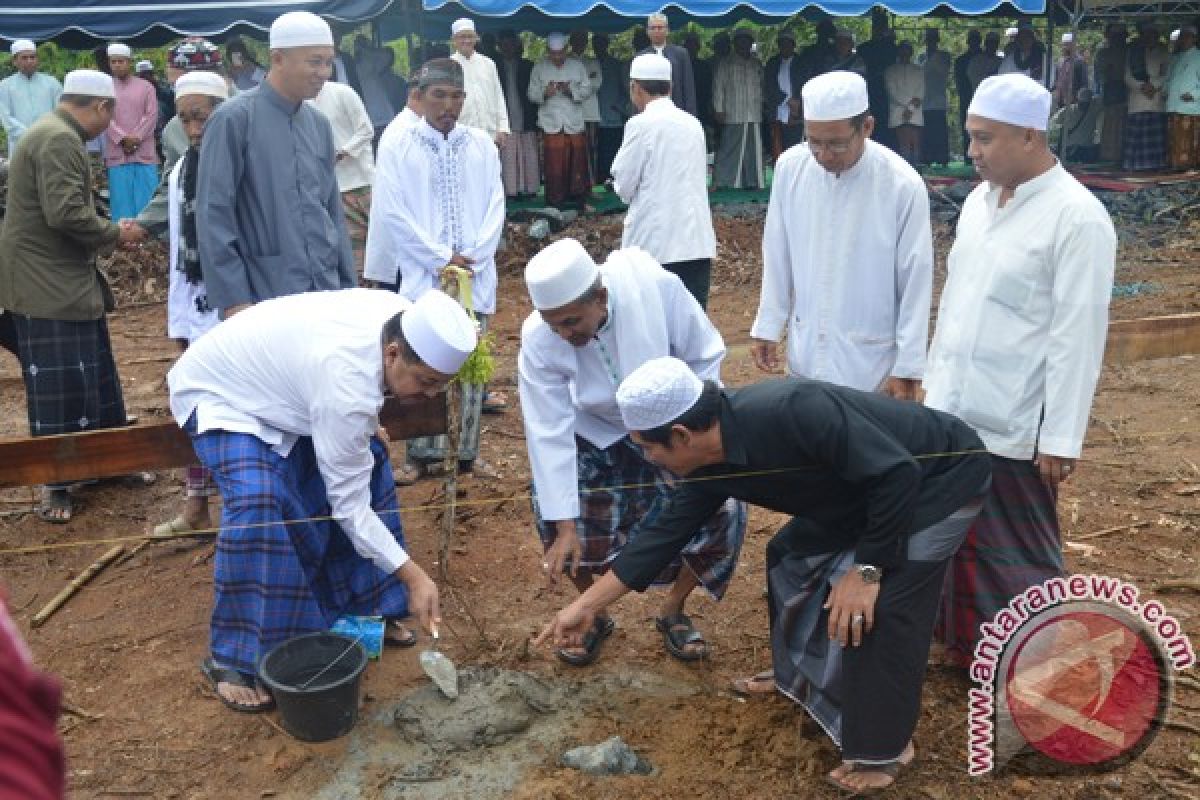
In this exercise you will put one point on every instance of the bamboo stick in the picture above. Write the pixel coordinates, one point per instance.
(74, 586)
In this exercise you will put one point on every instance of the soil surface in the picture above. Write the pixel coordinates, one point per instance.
(127, 647)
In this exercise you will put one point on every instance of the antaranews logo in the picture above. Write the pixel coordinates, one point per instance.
(1077, 670)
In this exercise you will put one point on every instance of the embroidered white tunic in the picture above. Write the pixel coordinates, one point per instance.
(847, 268)
(302, 365)
(435, 196)
(1023, 316)
(661, 172)
(484, 107)
(571, 391)
(189, 315)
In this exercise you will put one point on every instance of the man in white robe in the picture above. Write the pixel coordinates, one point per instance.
(663, 155)
(282, 403)
(353, 156)
(484, 107)
(1018, 346)
(379, 261)
(592, 487)
(439, 200)
(26, 94)
(847, 252)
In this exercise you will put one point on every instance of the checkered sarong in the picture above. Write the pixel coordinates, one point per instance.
(520, 163)
(619, 489)
(1145, 141)
(1014, 544)
(71, 381)
(276, 578)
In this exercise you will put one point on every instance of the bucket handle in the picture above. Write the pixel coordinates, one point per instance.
(331, 664)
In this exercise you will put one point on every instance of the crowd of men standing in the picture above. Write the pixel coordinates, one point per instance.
(920, 476)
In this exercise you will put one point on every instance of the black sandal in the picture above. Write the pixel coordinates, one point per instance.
(679, 632)
(593, 640)
(216, 675)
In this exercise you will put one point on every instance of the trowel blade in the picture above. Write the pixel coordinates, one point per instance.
(441, 671)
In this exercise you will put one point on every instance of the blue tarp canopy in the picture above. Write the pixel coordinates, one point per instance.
(611, 15)
(148, 22)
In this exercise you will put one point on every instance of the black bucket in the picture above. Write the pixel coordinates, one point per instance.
(328, 707)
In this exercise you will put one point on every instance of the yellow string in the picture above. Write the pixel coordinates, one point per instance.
(496, 501)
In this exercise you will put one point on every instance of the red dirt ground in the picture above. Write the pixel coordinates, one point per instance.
(127, 646)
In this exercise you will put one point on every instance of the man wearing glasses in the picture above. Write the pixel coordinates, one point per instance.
(847, 252)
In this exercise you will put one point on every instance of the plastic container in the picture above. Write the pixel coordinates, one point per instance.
(328, 706)
(368, 631)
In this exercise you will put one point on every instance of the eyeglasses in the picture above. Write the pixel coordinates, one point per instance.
(839, 147)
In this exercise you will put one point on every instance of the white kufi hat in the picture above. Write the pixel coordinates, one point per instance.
(1068, 37)
(557, 41)
(300, 29)
(89, 83)
(205, 83)
(460, 25)
(144, 66)
(650, 67)
(559, 274)
(657, 392)
(1015, 99)
(118, 50)
(439, 331)
(22, 46)
(834, 95)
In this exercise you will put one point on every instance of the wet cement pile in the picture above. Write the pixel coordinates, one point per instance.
(477, 746)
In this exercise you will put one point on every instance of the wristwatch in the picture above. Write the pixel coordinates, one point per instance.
(869, 573)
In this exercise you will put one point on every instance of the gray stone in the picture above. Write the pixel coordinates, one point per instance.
(610, 757)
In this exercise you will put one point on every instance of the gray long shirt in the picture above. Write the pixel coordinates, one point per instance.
(268, 210)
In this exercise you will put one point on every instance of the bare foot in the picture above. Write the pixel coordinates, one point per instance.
(244, 695)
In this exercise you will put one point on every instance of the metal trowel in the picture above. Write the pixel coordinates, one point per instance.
(440, 669)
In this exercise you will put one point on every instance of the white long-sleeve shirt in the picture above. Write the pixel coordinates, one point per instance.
(1021, 327)
(568, 391)
(1157, 62)
(189, 315)
(591, 103)
(23, 100)
(560, 113)
(435, 196)
(353, 134)
(302, 365)
(848, 268)
(378, 259)
(660, 171)
(484, 107)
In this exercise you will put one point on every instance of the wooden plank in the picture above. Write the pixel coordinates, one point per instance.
(141, 448)
(1148, 338)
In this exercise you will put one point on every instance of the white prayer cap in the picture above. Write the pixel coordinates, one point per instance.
(22, 46)
(834, 95)
(118, 50)
(300, 29)
(1174, 36)
(1068, 37)
(206, 83)
(460, 25)
(439, 331)
(656, 393)
(144, 66)
(1015, 99)
(88, 83)
(559, 274)
(556, 41)
(650, 67)
(1010, 32)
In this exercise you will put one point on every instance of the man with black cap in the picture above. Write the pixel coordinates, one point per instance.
(268, 209)
(880, 493)
(663, 155)
(439, 203)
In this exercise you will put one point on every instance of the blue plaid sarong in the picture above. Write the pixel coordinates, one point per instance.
(619, 490)
(274, 581)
